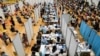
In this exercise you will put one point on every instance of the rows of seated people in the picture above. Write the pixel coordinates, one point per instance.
(81, 10)
(25, 13)
(48, 13)
(53, 44)
(49, 37)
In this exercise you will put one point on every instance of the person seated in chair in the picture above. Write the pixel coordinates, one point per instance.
(12, 21)
(55, 52)
(25, 40)
(5, 37)
(12, 29)
(19, 19)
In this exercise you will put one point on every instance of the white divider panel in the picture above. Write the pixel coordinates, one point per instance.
(65, 30)
(28, 31)
(30, 25)
(2, 13)
(73, 46)
(62, 25)
(20, 5)
(63, 22)
(39, 11)
(18, 45)
(36, 14)
(13, 8)
(9, 9)
(68, 37)
(67, 18)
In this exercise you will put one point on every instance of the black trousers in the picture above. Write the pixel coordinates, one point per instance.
(4, 26)
(13, 23)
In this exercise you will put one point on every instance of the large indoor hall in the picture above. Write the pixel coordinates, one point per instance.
(49, 27)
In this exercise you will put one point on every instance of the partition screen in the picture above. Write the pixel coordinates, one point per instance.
(73, 46)
(13, 8)
(66, 18)
(65, 31)
(20, 5)
(65, 27)
(39, 10)
(68, 37)
(36, 14)
(18, 45)
(63, 23)
(2, 13)
(30, 25)
(28, 32)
